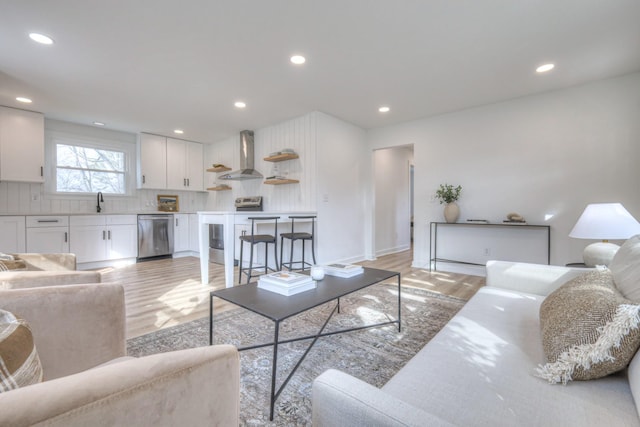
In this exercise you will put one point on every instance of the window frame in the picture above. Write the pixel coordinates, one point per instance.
(51, 162)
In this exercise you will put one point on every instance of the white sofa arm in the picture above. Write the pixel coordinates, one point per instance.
(194, 387)
(340, 399)
(536, 279)
(75, 327)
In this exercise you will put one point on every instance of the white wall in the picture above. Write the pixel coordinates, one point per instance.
(343, 188)
(544, 155)
(298, 134)
(25, 198)
(392, 199)
(334, 173)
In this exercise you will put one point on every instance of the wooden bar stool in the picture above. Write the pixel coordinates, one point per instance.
(254, 239)
(293, 236)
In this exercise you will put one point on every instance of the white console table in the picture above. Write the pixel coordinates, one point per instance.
(229, 220)
(476, 243)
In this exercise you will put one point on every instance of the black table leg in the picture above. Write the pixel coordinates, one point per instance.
(210, 319)
(273, 369)
(399, 305)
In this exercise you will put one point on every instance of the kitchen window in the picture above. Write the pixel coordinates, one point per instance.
(89, 170)
(88, 166)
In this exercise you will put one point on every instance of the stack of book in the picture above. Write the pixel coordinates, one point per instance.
(343, 270)
(286, 282)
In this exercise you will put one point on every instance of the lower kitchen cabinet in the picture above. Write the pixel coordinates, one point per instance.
(194, 234)
(180, 232)
(12, 234)
(47, 234)
(103, 237)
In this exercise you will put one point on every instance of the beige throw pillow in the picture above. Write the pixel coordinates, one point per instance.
(589, 330)
(19, 362)
(625, 267)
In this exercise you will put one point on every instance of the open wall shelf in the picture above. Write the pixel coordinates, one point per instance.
(281, 181)
(221, 187)
(281, 157)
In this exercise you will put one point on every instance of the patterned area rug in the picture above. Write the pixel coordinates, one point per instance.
(373, 355)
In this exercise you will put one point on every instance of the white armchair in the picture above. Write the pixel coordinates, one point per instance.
(79, 333)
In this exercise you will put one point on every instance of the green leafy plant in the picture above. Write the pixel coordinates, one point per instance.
(448, 193)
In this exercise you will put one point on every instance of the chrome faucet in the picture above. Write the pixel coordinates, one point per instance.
(100, 199)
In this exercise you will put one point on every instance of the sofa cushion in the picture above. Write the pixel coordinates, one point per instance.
(625, 267)
(478, 371)
(589, 330)
(19, 362)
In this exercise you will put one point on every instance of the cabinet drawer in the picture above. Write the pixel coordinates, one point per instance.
(47, 221)
(122, 219)
(81, 220)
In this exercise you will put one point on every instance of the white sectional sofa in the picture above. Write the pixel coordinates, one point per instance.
(480, 370)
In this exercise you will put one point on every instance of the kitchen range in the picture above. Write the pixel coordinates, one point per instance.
(216, 231)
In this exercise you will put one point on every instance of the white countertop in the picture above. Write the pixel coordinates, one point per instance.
(257, 213)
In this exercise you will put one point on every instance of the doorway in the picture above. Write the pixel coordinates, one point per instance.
(393, 195)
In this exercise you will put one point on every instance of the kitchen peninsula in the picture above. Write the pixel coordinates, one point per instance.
(230, 220)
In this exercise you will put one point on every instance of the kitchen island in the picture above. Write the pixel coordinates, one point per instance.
(229, 220)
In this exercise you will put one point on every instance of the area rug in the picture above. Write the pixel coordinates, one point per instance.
(372, 355)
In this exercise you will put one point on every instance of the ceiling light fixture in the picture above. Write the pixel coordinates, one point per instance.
(98, 123)
(41, 38)
(240, 104)
(384, 109)
(298, 59)
(178, 131)
(23, 99)
(544, 68)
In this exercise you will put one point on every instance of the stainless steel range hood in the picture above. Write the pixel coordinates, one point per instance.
(247, 159)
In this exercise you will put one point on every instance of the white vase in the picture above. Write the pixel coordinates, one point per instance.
(451, 212)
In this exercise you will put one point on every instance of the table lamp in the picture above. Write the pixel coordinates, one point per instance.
(604, 221)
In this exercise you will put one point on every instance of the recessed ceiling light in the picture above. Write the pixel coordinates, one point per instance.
(23, 99)
(98, 123)
(41, 38)
(384, 109)
(544, 68)
(298, 59)
(240, 104)
(178, 131)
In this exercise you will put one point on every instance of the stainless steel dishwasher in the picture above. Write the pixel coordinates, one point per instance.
(155, 235)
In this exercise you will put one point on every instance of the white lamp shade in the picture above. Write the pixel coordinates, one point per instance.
(605, 221)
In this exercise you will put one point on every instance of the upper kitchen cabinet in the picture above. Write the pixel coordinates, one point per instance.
(21, 145)
(169, 164)
(152, 161)
(185, 165)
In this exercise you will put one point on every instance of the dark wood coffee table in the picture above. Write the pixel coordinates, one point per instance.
(278, 307)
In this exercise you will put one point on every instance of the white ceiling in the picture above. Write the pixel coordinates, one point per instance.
(157, 65)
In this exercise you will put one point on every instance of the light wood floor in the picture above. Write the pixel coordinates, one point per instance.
(164, 293)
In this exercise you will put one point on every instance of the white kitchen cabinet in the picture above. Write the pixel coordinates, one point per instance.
(152, 161)
(180, 232)
(103, 237)
(21, 145)
(12, 234)
(47, 234)
(194, 233)
(170, 164)
(122, 236)
(185, 165)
